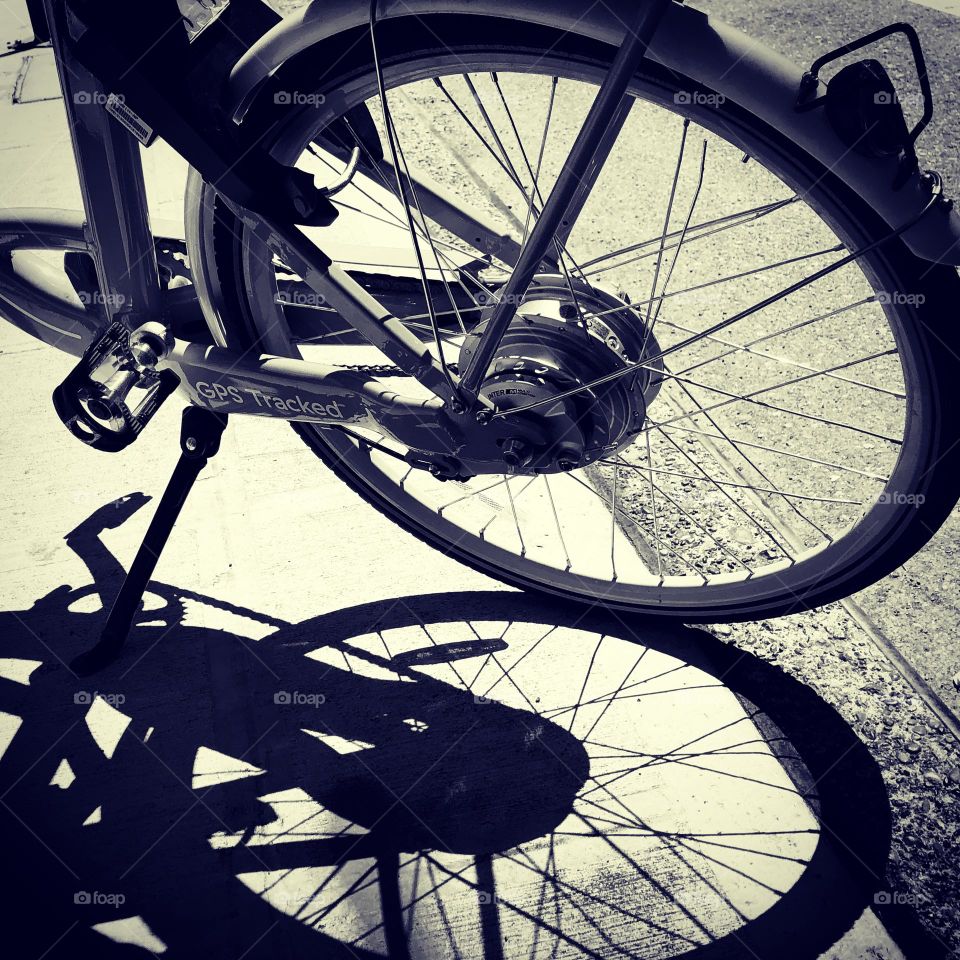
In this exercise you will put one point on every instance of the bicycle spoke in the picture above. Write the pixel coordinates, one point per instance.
(779, 451)
(421, 226)
(726, 222)
(471, 495)
(716, 426)
(504, 154)
(556, 520)
(396, 154)
(680, 242)
(516, 519)
(510, 169)
(805, 323)
(395, 219)
(613, 518)
(764, 532)
(637, 305)
(562, 253)
(683, 344)
(643, 533)
(730, 483)
(666, 223)
(436, 256)
(513, 509)
(421, 229)
(543, 147)
(688, 516)
(493, 153)
(751, 397)
(785, 361)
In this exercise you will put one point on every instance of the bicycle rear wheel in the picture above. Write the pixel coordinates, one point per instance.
(791, 459)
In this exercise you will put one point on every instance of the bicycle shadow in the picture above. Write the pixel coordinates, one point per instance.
(478, 774)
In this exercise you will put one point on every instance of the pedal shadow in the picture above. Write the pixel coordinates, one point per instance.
(462, 774)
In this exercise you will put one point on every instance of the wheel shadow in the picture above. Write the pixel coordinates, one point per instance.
(461, 774)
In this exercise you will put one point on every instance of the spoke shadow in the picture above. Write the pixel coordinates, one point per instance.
(474, 774)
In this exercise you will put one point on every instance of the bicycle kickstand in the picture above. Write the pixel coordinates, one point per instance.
(200, 434)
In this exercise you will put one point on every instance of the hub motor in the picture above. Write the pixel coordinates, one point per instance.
(560, 340)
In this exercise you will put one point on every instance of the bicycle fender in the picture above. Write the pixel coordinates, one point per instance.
(721, 58)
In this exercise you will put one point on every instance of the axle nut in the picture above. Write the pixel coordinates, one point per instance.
(517, 453)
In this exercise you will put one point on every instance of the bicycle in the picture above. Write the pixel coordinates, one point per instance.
(516, 378)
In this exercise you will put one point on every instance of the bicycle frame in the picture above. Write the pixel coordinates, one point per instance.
(104, 59)
(121, 67)
(117, 234)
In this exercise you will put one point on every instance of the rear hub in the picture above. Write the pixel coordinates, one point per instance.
(561, 340)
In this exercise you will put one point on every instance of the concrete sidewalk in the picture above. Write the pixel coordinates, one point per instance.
(298, 711)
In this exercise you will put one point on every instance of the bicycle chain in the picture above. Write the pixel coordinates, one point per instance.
(380, 370)
(371, 370)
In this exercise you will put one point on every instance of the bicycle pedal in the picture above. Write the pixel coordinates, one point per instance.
(95, 400)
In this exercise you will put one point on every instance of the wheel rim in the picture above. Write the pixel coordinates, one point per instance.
(676, 540)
